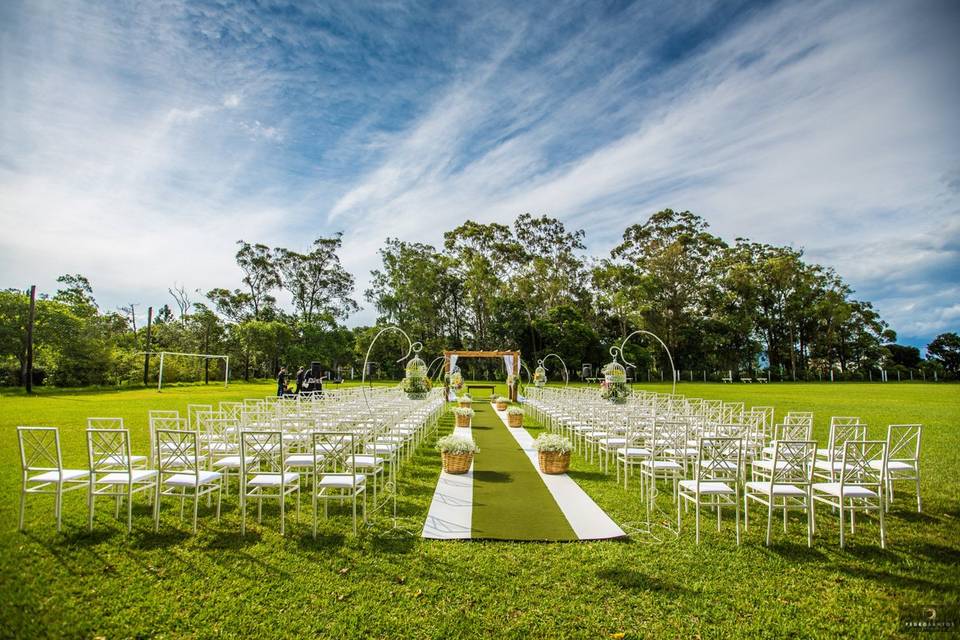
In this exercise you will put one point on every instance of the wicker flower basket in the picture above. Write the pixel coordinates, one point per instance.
(554, 462)
(501, 406)
(456, 462)
(463, 421)
(515, 419)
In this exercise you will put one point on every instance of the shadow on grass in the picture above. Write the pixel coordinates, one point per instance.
(938, 553)
(912, 516)
(491, 476)
(632, 579)
(895, 580)
(325, 541)
(795, 551)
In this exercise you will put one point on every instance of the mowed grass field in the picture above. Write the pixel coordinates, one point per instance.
(379, 585)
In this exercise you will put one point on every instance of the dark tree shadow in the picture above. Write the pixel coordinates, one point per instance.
(633, 579)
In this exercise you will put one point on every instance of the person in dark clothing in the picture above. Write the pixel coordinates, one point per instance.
(300, 374)
(282, 381)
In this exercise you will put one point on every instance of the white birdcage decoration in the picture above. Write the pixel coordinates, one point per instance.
(614, 386)
(540, 376)
(416, 384)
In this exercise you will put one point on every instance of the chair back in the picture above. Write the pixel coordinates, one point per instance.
(177, 452)
(39, 449)
(104, 423)
(719, 458)
(108, 450)
(841, 433)
(793, 462)
(193, 410)
(264, 449)
(857, 470)
(793, 431)
(903, 442)
(334, 452)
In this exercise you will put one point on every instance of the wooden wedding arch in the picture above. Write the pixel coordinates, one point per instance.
(483, 354)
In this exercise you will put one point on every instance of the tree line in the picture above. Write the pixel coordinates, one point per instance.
(719, 306)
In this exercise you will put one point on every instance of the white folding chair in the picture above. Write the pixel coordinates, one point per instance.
(137, 461)
(860, 487)
(334, 473)
(716, 480)
(787, 486)
(181, 475)
(903, 458)
(264, 475)
(41, 462)
(112, 473)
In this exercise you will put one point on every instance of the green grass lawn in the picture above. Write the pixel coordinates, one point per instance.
(175, 585)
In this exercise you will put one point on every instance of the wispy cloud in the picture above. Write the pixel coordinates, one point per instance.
(141, 141)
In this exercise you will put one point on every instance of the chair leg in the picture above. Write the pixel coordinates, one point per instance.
(769, 519)
(219, 498)
(91, 499)
(917, 475)
(58, 506)
(883, 531)
(697, 516)
(129, 507)
(841, 523)
(736, 510)
(196, 505)
(23, 505)
(283, 511)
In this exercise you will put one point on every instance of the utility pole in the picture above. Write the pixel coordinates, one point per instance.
(28, 382)
(146, 349)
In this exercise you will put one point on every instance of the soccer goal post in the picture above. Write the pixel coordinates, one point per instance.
(204, 356)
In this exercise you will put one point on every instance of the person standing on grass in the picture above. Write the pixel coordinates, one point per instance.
(282, 381)
(300, 374)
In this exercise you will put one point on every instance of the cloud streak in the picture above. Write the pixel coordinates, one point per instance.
(140, 142)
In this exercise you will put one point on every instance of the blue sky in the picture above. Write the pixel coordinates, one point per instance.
(139, 141)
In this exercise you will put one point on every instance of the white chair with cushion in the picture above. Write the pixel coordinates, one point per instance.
(41, 462)
(264, 475)
(112, 473)
(903, 458)
(181, 474)
(860, 485)
(716, 480)
(786, 486)
(136, 461)
(335, 475)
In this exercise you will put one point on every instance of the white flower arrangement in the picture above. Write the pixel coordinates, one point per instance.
(514, 411)
(464, 398)
(501, 399)
(464, 411)
(457, 445)
(553, 443)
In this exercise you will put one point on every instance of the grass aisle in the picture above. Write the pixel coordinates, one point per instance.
(510, 501)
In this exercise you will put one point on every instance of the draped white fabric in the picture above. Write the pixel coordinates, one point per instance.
(508, 360)
(453, 366)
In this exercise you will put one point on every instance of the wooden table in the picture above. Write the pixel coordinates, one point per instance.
(471, 387)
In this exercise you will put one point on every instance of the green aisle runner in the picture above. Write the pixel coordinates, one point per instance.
(510, 501)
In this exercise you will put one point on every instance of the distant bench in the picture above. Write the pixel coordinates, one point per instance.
(471, 387)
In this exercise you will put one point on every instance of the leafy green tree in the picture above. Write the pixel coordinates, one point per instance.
(317, 280)
(945, 349)
(260, 275)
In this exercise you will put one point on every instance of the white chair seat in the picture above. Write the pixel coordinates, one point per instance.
(826, 465)
(706, 487)
(191, 480)
(121, 460)
(341, 481)
(633, 452)
(662, 464)
(272, 479)
(365, 461)
(64, 475)
(849, 491)
(778, 489)
(135, 476)
(380, 448)
(893, 465)
(232, 462)
(301, 460)
(718, 464)
(767, 465)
